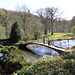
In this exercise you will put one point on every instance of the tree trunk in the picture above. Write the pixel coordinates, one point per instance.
(6, 31)
(51, 28)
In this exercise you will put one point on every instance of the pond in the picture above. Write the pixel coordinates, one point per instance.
(64, 43)
(42, 50)
(1, 54)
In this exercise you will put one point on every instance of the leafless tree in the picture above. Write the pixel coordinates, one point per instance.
(52, 15)
(48, 15)
(24, 14)
(44, 18)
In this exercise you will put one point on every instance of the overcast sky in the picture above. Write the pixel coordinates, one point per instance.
(65, 6)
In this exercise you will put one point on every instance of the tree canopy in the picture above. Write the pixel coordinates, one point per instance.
(16, 33)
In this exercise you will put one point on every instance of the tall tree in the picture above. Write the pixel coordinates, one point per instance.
(52, 15)
(63, 25)
(16, 33)
(24, 14)
(73, 30)
(44, 18)
(5, 19)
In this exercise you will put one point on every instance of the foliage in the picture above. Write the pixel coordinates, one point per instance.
(73, 47)
(12, 60)
(7, 64)
(61, 67)
(36, 35)
(73, 30)
(70, 56)
(2, 32)
(1, 46)
(5, 20)
(30, 22)
(16, 33)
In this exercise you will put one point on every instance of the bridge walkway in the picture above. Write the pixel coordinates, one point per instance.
(50, 46)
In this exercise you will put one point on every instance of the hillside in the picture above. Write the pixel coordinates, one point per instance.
(31, 23)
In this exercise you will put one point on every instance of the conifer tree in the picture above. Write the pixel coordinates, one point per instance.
(16, 33)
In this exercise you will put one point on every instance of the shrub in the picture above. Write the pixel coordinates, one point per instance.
(16, 33)
(58, 67)
(7, 63)
(73, 47)
(1, 46)
(36, 34)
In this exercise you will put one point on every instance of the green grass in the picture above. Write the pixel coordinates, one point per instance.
(59, 36)
(55, 36)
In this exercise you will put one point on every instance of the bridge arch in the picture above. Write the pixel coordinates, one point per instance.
(46, 45)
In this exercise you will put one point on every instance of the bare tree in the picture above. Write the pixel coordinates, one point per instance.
(52, 15)
(73, 21)
(24, 14)
(48, 15)
(63, 25)
(44, 18)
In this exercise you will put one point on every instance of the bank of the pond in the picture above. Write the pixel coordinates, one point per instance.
(54, 37)
(61, 66)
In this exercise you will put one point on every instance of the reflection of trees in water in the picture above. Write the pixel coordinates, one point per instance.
(49, 52)
(38, 49)
(30, 55)
(64, 43)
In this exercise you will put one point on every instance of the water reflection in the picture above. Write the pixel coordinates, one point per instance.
(31, 56)
(42, 50)
(64, 43)
(1, 54)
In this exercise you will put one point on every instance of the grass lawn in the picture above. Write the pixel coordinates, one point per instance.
(59, 36)
(55, 36)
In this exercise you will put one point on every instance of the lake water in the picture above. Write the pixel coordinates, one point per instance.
(1, 54)
(64, 43)
(42, 50)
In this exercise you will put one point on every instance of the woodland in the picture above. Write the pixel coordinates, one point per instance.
(34, 25)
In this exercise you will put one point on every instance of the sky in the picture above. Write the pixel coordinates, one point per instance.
(65, 6)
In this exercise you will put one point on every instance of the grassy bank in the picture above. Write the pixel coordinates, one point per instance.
(55, 36)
